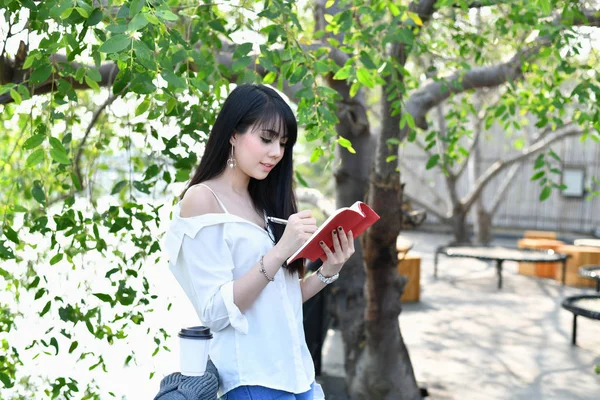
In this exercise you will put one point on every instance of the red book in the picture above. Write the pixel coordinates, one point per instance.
(356, 218)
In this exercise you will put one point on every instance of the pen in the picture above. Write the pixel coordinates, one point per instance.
(277, 220)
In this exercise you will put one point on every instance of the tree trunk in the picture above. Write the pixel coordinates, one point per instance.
(383, 369)
(347, 301)
(483, 224)
(460, 228)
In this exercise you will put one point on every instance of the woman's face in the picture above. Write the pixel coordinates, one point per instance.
(258, 151)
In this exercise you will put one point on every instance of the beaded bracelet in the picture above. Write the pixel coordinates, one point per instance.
(262, 269)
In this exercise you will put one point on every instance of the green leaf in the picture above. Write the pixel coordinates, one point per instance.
(433, 161)
(46, 308)
(329, 3)
(167, 15)
(500, 110)
(301, 179)
(415, 17)
(519, 143)
(75, 180)
(242, 50)
(346, 144)
(11, 234)
(33, 142)
(6, 381)
(546, 191)
(136, 6)
(554, 155)
(15, 96)
(118, 187)
(60, 156)
(390, 158)
(152, 19)
(39, 293)
(354, 88)
(538, 175)
(54, 343)
(34, 158)
(366, 60)
(173, 80)
(41, 74)
(104, 297)
(82, 12)
(56, 258)
(316, 154)
(92, 84)
(142, 107)
(142, 187)
(67, 13)
(240, 63)
(539, 162)
(115, 44)
(364, 77)
(138, 22)
(269, 78)
(407, 119)
(37, 191)
(545, 5)
(343, 73)
(393, 8)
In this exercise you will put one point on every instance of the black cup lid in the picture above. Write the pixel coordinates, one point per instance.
(195, 332)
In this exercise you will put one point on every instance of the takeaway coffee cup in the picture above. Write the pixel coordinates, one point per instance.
(193, 350)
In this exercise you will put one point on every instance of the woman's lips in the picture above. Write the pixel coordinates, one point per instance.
(268, 167)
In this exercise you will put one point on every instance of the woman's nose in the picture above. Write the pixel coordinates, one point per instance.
(276, 150)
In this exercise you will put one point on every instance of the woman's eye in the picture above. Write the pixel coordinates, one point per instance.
(282, 144)
(266, 140)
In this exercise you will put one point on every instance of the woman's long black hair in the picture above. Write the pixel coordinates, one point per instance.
(259, 105)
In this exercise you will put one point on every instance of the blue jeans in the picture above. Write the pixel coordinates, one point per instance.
(264, 393)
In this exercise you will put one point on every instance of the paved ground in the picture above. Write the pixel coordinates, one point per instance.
(468, 340)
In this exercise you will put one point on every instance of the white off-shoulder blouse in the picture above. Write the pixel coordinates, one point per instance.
(263, 346)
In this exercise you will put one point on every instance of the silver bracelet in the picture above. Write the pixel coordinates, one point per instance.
(262, 269)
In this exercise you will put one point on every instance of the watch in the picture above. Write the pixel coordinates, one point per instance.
(327, 279)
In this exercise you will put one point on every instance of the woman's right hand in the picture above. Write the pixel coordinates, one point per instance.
(299, 228)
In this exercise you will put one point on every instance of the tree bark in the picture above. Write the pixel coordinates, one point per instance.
(460, 229)
(384, 369)
(483, 223)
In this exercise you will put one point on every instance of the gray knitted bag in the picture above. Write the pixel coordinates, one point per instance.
(180, 387)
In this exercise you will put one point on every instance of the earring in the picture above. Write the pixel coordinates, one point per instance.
(231, 161)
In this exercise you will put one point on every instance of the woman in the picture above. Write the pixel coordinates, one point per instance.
(229, 258)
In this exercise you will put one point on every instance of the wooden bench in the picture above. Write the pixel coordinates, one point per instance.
(578, 256)
(539, 235)
(539, 269)
(409, 264)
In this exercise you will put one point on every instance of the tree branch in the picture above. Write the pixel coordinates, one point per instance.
(430, 209)
(77, 161)
(107, 71)
(498, 166)
(471, 148)
(421, 180)
(316, 198)
(424, 99)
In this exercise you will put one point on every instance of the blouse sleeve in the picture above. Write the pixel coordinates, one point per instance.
(203, 265)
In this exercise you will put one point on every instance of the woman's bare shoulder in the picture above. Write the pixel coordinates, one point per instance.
(199, 200)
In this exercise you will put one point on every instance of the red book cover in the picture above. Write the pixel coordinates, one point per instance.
(356, 218)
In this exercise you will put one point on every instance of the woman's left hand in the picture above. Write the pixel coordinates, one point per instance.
(343, 248)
